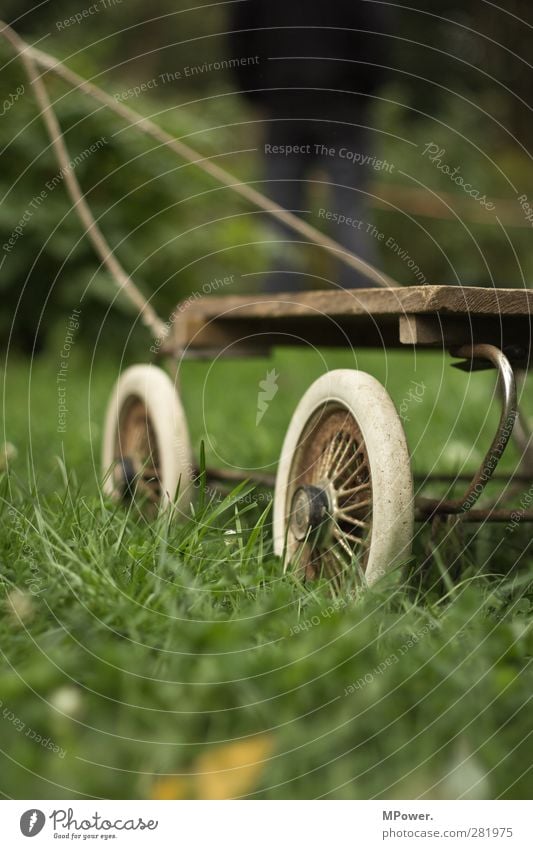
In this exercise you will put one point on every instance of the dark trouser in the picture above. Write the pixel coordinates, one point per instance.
(288, 182)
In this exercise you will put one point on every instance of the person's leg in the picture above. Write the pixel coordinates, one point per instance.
(353, 229)
(284, 183)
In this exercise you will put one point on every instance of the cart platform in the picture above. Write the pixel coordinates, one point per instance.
(438, 316)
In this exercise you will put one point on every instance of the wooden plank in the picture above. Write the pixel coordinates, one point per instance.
(239, 337)
(408, 299)
(358, 317)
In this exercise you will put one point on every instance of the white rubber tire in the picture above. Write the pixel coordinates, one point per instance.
(154, 388)
(392, 484)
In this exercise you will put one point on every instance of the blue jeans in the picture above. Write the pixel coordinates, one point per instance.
(288, 180)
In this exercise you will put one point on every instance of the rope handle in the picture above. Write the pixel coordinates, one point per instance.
(32, 57)
(122, 280)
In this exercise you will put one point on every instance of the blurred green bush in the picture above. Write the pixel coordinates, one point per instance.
(170, 225)
(173, 229)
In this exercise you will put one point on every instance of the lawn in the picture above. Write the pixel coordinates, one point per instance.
(167, 661)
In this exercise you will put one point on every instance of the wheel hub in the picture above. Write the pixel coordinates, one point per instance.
(128, 477)
(310, 511)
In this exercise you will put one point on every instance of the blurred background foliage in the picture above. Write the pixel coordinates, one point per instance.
(459, 78)
(453, 718)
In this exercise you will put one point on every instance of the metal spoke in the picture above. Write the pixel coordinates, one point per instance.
(351, 508)
(338, 533)
(340, 473)
(344, 566)
(344, 545)
(358, 523)
(355, 473)
(336, 471)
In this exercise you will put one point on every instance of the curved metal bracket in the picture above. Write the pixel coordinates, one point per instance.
(475, 355)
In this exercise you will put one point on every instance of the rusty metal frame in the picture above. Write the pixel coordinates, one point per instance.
(474, 355)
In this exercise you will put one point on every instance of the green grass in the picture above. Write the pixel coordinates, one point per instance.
(151, 650)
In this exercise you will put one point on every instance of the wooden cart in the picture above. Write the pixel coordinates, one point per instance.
(343, 493)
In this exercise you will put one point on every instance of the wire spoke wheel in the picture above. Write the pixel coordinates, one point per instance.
(333, 459)
(146, 455)
(344, 502)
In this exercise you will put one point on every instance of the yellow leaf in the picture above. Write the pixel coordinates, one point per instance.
(170, 787)
(232, 770)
